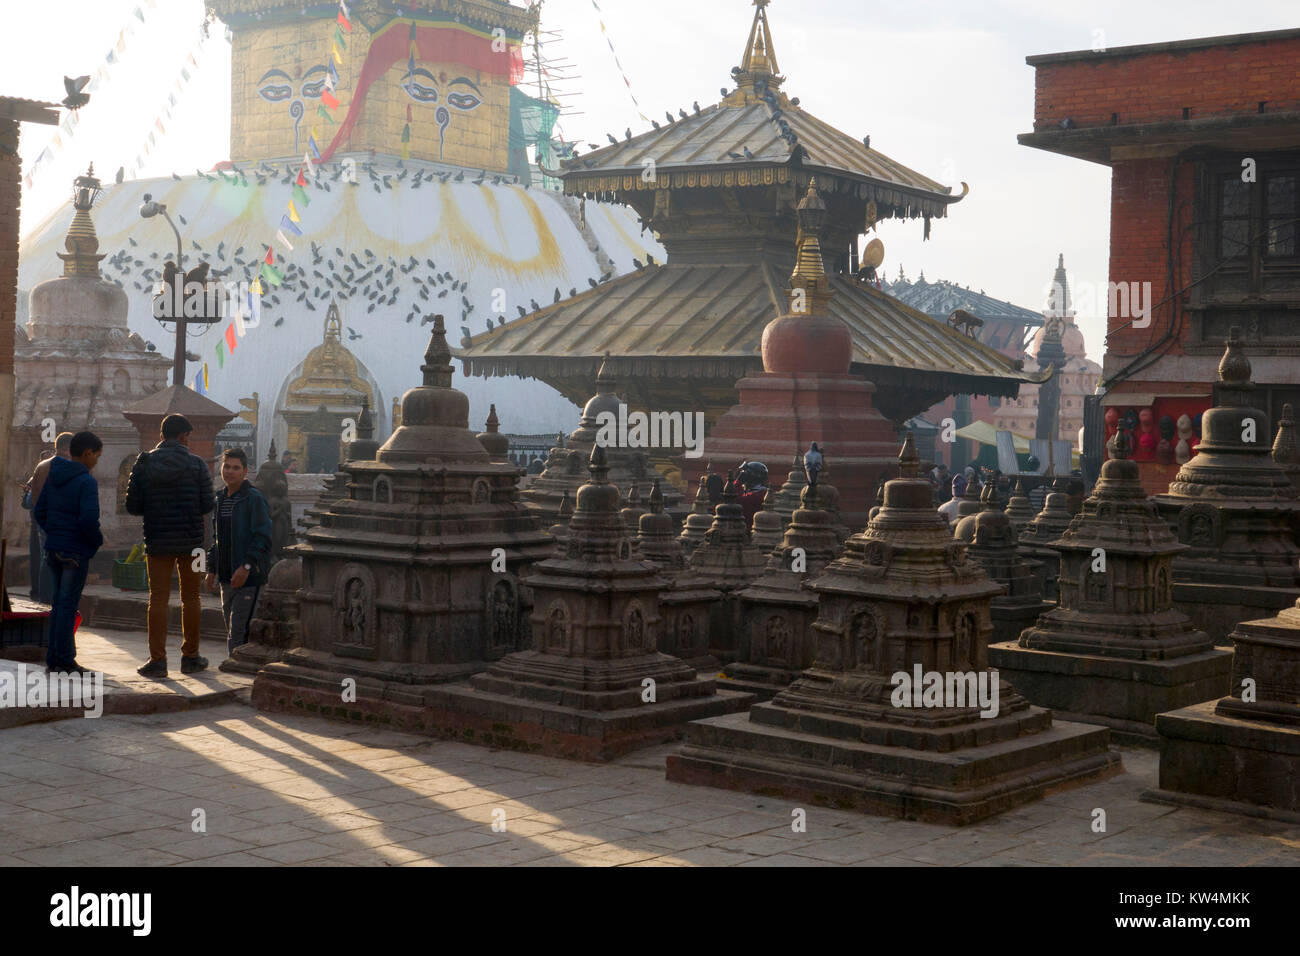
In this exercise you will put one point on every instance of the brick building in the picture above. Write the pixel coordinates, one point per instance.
(1203, 140)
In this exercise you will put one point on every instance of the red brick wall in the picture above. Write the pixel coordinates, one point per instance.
(1156, 87)
(1139, 231)
(10, 195)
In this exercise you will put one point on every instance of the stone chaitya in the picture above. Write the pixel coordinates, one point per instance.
(685, 605)
(1242, 752)
(991, 541)
(566, 465)
(1236, 510)
(1286, 449)
(902, 600)
(1044, 528)
(275, 626)
(413, 578)
(1019, 509)
(496, 444)
(699, 521)
(594, 685)
(728, 562)
(787, 501)
(778, 610)
(1117, 650)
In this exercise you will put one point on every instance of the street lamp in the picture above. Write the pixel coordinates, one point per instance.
(148, 210)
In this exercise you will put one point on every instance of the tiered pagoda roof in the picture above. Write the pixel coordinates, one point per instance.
(720, 190)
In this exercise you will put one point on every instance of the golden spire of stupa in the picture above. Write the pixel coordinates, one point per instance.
(809, 284)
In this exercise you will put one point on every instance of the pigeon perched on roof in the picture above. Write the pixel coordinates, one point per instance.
(812, 463)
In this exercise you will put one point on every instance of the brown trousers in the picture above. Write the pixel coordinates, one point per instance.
(160, 592)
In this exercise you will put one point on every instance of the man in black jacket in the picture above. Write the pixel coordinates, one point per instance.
(241, 546)
(172, 490)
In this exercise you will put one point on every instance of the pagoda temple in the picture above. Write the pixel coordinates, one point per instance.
(721, 194)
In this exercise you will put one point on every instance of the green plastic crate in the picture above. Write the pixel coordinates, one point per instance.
(130, 577)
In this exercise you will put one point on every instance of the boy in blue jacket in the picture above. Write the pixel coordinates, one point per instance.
(68, 513)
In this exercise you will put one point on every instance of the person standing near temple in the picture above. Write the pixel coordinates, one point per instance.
(42, 579)
(171, 489)
(241, 546)
(68, 512)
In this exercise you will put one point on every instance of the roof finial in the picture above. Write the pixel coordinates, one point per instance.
(437, 367)
(759, 61)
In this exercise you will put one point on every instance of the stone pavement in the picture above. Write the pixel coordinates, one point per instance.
(117, 654)
(123, 790)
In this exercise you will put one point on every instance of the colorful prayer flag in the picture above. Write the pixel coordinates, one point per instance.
(338, 38)
(221, 356)
(273, 275)
(287, 223)
(293, 212)
(205, 376)
(311, 142)
(344, 22)
(334, 52)
(270, 256)
(329, 99)
(322, 111)
(300, 196)
(230, 337)
(239, 323)
(301, 180)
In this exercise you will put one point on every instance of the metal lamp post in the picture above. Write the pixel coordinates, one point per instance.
(148, 210)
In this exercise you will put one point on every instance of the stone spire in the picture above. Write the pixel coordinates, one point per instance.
(1116, 648)
(632, 510)
(365, 447)
(658, 535)
(810, 290)
(901, 597)
(496, 444)
(1286, 450)
(83, 255)
(699, 521)
(992, 545)
(1019, 508)
(786, 501)
(1043, 528)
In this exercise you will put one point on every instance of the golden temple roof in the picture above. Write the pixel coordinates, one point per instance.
(705, 321)
(739, 140)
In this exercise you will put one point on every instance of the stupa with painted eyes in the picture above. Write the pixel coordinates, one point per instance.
(420, 197)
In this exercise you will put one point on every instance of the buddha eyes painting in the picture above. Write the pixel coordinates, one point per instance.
(459, 93)
(277, 86)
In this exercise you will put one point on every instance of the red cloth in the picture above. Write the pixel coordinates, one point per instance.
(751, 502)
(432, 45)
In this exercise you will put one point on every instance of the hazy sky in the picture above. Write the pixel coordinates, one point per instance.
(940, 85)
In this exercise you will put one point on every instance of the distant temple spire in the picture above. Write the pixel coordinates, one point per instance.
(1058, 303)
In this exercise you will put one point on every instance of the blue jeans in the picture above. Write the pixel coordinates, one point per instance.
(68, 573)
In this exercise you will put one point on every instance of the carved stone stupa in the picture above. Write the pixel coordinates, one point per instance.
(594, 686)
(1116, 650)
(1044, 528)
(728, 562)
(901, 600)
(1242, 752)
(778, 610)
(1236, 510)
(991, 540)
(413, 578)
(566, 465)
(686, 604)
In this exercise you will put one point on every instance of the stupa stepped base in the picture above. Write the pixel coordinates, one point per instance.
(1010, 619)
(957, 787)
(1124, 695)
(1243, 766)
(762, 681)
(251, 658)
(1217, 609)
(491, 719)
